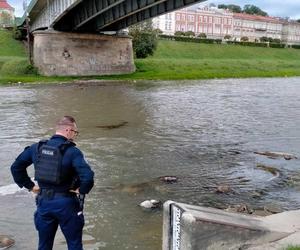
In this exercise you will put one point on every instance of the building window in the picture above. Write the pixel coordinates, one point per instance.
(191, 28)
(178, 17)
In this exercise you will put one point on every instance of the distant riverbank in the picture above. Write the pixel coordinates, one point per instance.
(172, 60)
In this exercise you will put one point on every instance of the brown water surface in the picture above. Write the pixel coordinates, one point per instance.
(204, 132)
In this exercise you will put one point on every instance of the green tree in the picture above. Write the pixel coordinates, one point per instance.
(189, 33)
(145, 26)
(264, 39)
(254, 10)
(144, 39)
(202, 35)
(157, 31)
(244, 39)
(234, 8)
(179, 33)
(17, 33)
(227, 37)
(276, 40)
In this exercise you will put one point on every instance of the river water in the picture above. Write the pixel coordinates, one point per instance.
(203, 132)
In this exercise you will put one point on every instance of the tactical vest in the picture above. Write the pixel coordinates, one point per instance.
(48, 167)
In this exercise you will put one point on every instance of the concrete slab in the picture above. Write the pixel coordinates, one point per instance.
(188, 227)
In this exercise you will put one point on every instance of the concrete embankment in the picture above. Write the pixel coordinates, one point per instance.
(188, 227)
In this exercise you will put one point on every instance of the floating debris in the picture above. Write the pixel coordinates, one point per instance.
(275, 155)
(240, 208)
(113, 126)
(244, 180)
(168, 179)
(234, 152)
(258, 194)
(6, 242)
(151, 204)
(224, 189)
(274, 171)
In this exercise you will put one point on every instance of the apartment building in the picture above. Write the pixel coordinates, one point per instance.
(291, 32)
(165, 23)
(6, 14)
(254, 27)
(217, 23)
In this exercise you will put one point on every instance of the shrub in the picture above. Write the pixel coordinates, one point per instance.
(277, 45)
(218, 41)
(276, 40)
(157, 31)
(295, 46)
(17, 67)
(17, 34)
(244, 39)
(179, 33)
(251, 44)
(144, 39)
(167, 37)
(227, 37)
(144, 44)
(197, 40)
(202, 35)
(189, 33)
(263, 39)
(185, 39)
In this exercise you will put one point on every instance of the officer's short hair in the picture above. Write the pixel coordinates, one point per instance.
(65, 121)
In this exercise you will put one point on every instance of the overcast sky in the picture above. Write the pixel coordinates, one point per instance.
(281, 8)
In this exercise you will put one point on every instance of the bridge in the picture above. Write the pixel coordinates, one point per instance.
(67, 36)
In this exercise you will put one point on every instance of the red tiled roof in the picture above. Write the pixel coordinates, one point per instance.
(256, 18)
(5, 5)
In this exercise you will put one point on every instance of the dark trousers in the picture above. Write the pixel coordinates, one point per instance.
(62, 211)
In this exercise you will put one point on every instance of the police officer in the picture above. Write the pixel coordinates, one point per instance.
(62, 175)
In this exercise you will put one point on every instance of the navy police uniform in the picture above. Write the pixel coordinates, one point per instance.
(57, 162)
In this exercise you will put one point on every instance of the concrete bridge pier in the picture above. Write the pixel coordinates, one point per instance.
(80, 54)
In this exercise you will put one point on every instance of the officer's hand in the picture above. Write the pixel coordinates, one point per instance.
(35, 189)
(76, 191)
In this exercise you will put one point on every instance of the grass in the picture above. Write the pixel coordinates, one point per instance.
(10, 47)
(181, 60)
(171, 61)
(293, 248)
